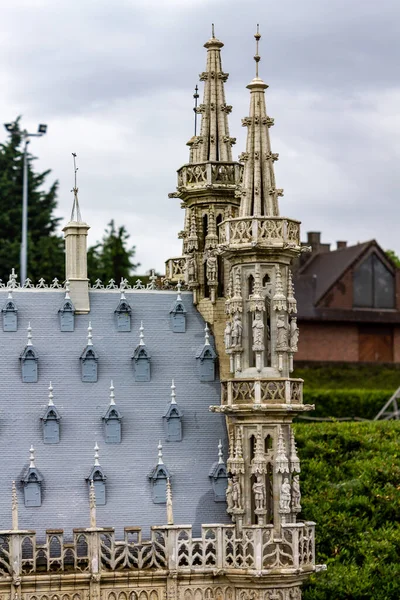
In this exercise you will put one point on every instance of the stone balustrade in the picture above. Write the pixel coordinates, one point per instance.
(216, 174)
(170, 548)
(175, 269)
(237, 393)
(276, 232)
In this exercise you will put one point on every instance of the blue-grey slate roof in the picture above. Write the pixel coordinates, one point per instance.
(65, 466)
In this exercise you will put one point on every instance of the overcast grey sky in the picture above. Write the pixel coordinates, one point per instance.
(114, 82)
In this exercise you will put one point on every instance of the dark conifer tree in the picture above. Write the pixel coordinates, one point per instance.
(112, 259)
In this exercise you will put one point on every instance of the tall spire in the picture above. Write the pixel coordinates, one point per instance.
(214, 142)
(259, 195)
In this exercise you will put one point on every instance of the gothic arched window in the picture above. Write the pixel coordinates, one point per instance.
(373, 284)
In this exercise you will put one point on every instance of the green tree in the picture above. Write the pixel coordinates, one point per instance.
(45, 247)
(112, 258)
(393, 257)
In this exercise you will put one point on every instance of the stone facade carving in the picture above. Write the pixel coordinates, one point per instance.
(259, 493)
(285, 496)
(294, 335)
(258, 332)
(281, 339)
(296, 494)
(237, 330)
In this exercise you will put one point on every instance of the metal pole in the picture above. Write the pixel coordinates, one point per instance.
(24, 240)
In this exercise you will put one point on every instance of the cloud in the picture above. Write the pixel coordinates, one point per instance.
(114, 81)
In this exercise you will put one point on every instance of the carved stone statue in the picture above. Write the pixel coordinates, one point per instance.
(258, 332)
(236, 493)
(281, 342)
(294, 334)
(296, 494)
(259, 493)
(228, 336)
(237, 329)
(192, 270)
(211, 268)
(284, 502)
(229, 492)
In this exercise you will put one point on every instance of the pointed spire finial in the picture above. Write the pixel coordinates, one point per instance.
(29, 334)
(92, 505)
(51, 403)
(206, 336)
(89, 336)
(178, 287)
(14, 507)
(67, 296)
(170, 514)
(32, 457)
(96, 455)
(257, 57)
(160, 458)
(196, 97)
(220, 455)
(112, 397)
(141, 334)
(76, 211)
(212, 30)
(173, 401)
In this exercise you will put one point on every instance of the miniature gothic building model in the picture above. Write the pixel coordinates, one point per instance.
(112, 421)
(89, 360)
(141, 359)
(219, 477)
(51, 421)
(32, 482)
(158, 478)
(123, 314)
(10, 314)
(173, 419)
(67, 312)
(178, 313)
(29, 360)
(99, 479)
(206, 359)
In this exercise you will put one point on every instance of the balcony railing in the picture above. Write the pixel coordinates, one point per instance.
(218, 174)
(262, 391)
(260, 231)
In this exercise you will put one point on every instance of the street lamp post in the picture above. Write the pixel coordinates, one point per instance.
(11, 127)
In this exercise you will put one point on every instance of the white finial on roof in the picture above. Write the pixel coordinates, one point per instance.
(122, 294)
(220, 455)
(51, 403)
(207, 337)
(141, 335)
(29, 334)
(173, 401)
(160, 458)
(14, 507)
(67, 297)
(9, 297)
(89, 337)
(96, 455)
(112, 398)
(178, 287)
(32, 457)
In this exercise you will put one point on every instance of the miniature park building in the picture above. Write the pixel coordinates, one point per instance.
(348, 303)
(148, 536)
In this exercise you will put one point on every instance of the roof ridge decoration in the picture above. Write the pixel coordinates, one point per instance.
(214, 142)
(259, 195)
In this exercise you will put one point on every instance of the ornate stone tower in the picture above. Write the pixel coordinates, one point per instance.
(206, 186)
(261, 335)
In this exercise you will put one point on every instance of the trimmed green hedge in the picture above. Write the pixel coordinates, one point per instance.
(346, 403)
(350, 376)
(351, 487)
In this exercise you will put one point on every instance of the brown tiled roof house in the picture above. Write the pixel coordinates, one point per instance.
(348, 302)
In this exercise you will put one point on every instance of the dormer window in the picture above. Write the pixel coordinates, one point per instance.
(99, 479)
(29, 361)
(206, 359)
(178, 314)
(123, 314)
(32, 482)
(158, 478)
(89, 360)
(51, 421)
(141, 359)
(67, 312)
(112, 421)
(10, 314)
(173, 419)
(219, 477)
(373, 284)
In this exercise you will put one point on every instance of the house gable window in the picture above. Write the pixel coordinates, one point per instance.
(373, 285)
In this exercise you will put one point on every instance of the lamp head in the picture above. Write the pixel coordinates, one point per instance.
(42, 128)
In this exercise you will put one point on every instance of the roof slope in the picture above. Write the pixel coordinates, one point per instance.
(81, 405)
